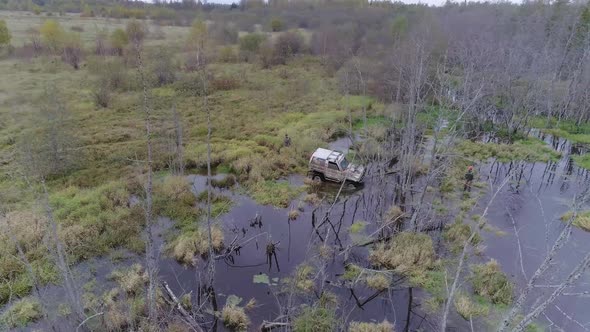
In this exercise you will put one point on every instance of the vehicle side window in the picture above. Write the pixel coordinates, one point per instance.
(332, 165)
(319, 160)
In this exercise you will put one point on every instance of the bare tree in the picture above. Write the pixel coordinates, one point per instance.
(151, 259)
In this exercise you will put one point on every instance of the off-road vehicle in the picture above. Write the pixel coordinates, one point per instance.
(329, 165)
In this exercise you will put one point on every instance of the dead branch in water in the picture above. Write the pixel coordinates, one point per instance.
(191, 320)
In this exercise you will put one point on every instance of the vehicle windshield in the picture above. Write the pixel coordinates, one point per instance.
(344, 163)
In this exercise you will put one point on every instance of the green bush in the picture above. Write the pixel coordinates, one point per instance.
(276, 25)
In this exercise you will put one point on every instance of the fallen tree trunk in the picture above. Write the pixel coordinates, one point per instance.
(190, 319)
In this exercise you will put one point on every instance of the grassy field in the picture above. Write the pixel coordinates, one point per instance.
(21, 24)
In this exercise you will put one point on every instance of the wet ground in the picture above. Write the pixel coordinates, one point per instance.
(537, 195)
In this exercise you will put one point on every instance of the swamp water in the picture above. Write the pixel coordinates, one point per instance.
(536, 196)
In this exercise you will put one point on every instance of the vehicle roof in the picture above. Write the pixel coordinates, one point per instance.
(330, 155)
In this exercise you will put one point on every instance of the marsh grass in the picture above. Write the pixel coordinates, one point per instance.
(384, 326)
(530, 149)
(275, 193)
(21, 313)
(94, 221)
(457, 234)
(131, 280)
(378, 281)
(235, 318)
(317, 319)
(582, 160)
(406, 253)
(173, 198)
(582, 219)
(190, 244)
(491, 283)
(469, 309)
(563, 128)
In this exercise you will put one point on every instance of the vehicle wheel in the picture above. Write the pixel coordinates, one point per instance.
(317, 178)
(355, 185)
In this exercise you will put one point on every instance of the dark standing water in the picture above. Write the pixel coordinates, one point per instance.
(537, 196)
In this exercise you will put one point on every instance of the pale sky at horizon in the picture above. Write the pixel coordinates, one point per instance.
(426, 2)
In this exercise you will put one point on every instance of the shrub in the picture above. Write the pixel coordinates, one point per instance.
(287, 45)
(384, 326)
(72, 50)
(102, 94)
(21, 313)
(276, 25)
(235, 318)
(227, 54)
(190, 85)
(163, 68)
(5, 35)
(136, 31)
(249, 45)
(224, 33)
(406, 253)
(119, 41)
(77, 28)
(490, 282)
(52, 35)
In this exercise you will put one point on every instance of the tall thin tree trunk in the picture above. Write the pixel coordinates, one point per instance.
(151, 261)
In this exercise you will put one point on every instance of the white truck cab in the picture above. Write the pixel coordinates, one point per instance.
(330, 165)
